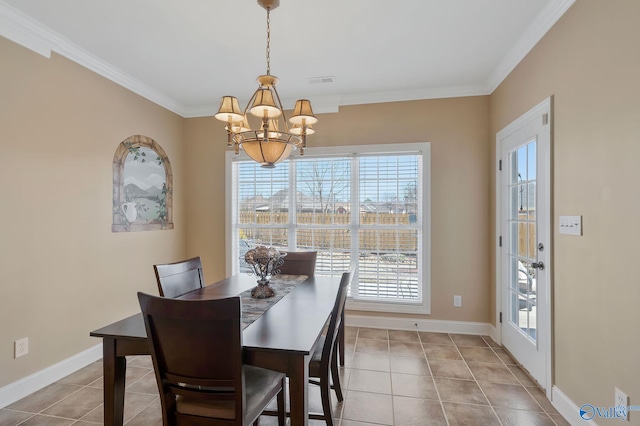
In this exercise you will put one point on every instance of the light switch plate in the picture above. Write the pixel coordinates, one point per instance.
(571, 225)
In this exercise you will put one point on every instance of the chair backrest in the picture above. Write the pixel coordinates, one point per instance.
(185, 337)
(299, 263)
(176, 279)
(336, 317)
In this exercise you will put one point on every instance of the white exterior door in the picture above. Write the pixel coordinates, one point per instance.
(524, 257)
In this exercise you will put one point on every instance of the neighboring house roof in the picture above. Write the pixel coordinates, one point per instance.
(279, 202)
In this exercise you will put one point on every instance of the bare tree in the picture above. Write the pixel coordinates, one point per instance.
(411, 197)
(324, 181)
(391, 203)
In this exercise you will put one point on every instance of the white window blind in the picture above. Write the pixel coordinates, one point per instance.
(364, 208)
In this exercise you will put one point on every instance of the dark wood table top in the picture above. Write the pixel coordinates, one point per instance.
(291, 324)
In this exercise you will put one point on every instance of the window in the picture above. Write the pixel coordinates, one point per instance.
(365, 207)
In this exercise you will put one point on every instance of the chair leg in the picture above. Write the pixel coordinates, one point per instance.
(257, 422)
(282, 409)
(325, 396)
(341, 340)
(335, 376)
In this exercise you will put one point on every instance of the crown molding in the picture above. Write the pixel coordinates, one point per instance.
(199, 111)
(23, 30)
(332, 104)
(532, 35)
(26, 31)
(97, 65)
(321, 105)
(414, 94)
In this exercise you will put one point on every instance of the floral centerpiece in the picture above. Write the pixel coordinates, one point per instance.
(264, 262)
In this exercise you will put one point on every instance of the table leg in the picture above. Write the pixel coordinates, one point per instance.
(114, 369)
(298, 383)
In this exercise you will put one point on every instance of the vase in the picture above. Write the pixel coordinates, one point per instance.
(263, 290)
(130, 211)
(263, 262)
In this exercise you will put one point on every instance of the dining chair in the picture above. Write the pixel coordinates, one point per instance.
(324, 361)
(304, 263)
(176, 279)
(299, 263)
(200, 384)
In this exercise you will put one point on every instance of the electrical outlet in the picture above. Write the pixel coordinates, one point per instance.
(457, 301)
(20, 347)
(621, 399)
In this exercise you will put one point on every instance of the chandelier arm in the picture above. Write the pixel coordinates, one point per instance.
(284, 116)
(229, 124)
(265, 128)
(262, 150)
(304, 135)
(253, 98)
(246, 109)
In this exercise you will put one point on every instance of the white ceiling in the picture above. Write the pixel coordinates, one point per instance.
(185, 55)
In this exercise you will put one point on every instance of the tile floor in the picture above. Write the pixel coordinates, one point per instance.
(397, 378)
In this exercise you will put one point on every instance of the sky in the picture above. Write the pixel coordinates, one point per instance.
(144, 175)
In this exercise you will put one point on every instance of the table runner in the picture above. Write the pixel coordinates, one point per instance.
(253, 308)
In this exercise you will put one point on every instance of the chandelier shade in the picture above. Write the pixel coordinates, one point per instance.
(302, 113)
(267, 154)
(240, 126)
(297, 130)
(229, 110)
(271, 141)
(264, 105)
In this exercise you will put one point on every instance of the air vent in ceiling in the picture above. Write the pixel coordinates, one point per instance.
(322, 80)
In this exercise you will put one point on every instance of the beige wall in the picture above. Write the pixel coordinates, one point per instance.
(62, 272)
(589, 62)
(459, 133)
(206, 141)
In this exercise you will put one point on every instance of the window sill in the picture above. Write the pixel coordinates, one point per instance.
(399, 308)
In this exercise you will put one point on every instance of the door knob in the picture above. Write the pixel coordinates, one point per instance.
(537, 265)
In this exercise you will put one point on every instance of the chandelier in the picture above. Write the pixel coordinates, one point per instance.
(272, 140)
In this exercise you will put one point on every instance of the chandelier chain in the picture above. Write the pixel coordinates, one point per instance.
(268, 42)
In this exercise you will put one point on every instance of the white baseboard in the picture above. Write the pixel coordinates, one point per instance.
(439, 326)
(40, 379)
(30, 384)
(569, 410)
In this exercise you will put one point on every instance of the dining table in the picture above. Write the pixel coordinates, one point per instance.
(283, 338)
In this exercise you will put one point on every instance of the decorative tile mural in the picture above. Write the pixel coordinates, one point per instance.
(142, 186)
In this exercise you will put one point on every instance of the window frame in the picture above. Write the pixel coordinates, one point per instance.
(423, 148)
